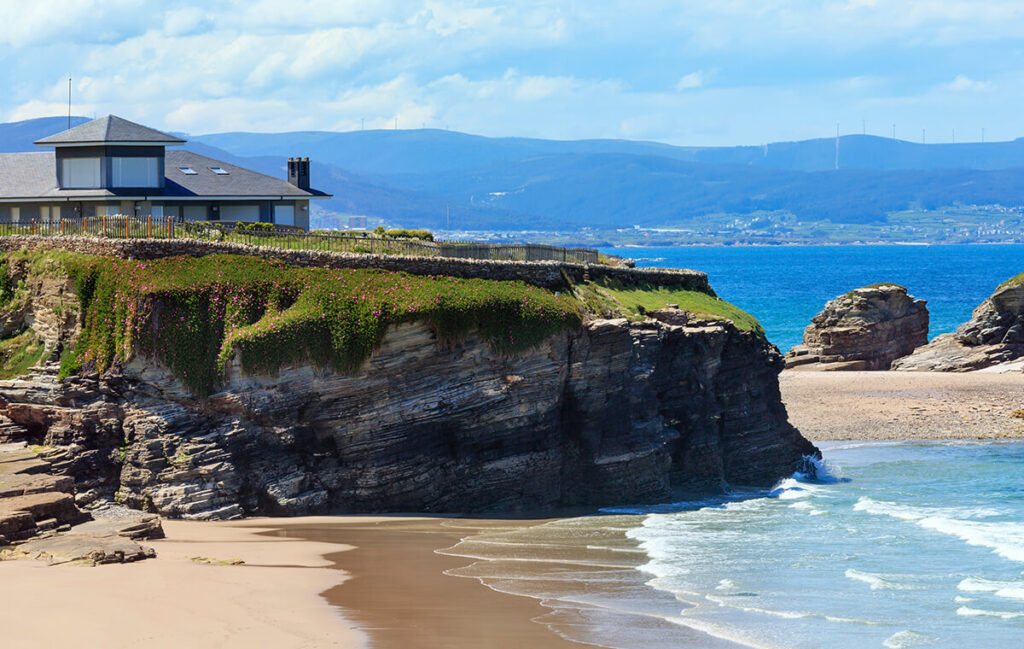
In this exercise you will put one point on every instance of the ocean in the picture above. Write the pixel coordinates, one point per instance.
(894, 545)
(784, 286)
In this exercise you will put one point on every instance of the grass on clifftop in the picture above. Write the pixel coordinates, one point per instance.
(19, 353)
(195, 314)
(1012, 282)
(611, 295)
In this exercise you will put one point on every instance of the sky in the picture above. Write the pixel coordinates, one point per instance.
(719, 72)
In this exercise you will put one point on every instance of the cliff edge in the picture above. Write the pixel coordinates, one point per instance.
(223, 387)
(993, 335)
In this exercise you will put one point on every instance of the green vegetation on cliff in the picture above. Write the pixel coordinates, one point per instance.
(19, 353)
(1013, 282)
(196, 314)
(634, 300)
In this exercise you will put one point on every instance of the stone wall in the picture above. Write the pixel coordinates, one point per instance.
(546, 274)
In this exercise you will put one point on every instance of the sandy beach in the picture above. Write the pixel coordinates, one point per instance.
(380, 581)
(172, 601)
(292, 592)
(904, 405)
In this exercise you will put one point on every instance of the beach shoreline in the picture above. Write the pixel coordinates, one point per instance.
(908, 406)
(344, 581)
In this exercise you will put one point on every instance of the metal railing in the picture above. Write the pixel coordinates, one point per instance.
(292, 238)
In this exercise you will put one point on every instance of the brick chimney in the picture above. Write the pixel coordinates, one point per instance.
(298, 172)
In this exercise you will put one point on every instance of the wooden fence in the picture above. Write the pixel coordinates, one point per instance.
(129, 227)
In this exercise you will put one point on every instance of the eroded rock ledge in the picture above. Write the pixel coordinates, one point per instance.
(617, 412)
(993, 335)
(866, 329)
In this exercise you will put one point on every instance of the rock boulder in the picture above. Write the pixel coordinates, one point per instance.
(993, 335)
(866, 329)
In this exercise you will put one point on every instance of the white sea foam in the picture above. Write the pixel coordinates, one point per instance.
(731, 603)
(1004, 589)
(978, 612)
(1004, 538)
(912, 513)
(805, 506)
(877, 581)
(907, 638)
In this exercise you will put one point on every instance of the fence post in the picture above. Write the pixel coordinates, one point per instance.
(104, 225)
(33, 226)
(62, 227)
(149, 226)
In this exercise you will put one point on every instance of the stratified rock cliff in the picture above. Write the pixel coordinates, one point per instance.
(616, 413)
(993, 335)
(608, 413)
(866, 329)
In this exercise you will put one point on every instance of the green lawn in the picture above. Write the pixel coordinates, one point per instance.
(616, 296)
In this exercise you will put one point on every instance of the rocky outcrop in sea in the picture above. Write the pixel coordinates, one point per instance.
(993, 335)
(865, 329)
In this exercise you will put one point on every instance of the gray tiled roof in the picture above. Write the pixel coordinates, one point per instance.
(109, 129)
(34, 175)
(238, 182)
(27, 174)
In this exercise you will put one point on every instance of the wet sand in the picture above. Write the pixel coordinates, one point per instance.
(399, 594)
(351, 582)
(299, 588)
(904, 405)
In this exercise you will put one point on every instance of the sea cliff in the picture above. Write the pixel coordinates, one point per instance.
(429, 412)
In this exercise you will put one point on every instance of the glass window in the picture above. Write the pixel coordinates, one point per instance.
(80, 173)
(188, 171)
(135, 172)
(220, 171)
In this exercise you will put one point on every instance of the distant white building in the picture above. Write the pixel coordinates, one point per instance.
(113, 166)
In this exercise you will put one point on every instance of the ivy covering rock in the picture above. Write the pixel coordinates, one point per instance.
(195, 315)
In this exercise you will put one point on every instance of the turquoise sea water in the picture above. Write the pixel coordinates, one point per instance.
(896, 545)
(899, 545)
(784, 286)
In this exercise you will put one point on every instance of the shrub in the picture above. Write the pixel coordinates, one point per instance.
(425, 235)
(254, 227)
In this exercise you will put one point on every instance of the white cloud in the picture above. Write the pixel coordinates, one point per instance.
(539, 87)
(964, 84)
(550, 68)
(690, 81)
(185, 21)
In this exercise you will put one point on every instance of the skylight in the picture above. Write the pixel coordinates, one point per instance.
(188, 171)
(220, 171)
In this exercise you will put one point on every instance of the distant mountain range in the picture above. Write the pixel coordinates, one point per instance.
(412, 178)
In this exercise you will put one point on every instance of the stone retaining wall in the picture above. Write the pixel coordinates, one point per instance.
(546, 274)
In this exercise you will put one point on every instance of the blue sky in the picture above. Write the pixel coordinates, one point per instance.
(702, 73)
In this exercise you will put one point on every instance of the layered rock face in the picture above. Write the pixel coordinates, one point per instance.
(617, 412)
(866, 329)
(993, 335)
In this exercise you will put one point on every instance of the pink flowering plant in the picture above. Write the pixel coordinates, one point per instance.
(197, 315)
